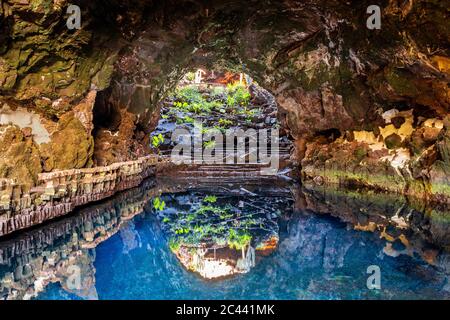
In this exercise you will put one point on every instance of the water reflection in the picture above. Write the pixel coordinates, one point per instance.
(408, 225)
(120, 247)
(222, 233)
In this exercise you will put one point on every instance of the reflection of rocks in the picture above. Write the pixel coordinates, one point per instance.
(213, 263)
(84, 287)
(35, 258)
(221, 262)
(267, 246)
(49, 253)
(34, 271)
(29, 262)
(315, 247)
(217, 233)
(421, 229)
(130, 237)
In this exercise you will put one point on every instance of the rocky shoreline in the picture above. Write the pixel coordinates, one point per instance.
(59, 192)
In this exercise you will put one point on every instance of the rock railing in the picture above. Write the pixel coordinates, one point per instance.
(58, 193)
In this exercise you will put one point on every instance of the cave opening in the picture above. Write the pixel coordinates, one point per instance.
(227, 117)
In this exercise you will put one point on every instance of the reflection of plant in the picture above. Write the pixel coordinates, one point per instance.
(191, 217)
(158, 204)
(174, 244)
(207, 223)
(210, 199)
(157, 140)
(205, 209)
(238, 239)
(182, 231)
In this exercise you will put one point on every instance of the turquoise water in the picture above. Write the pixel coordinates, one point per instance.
(318, 257)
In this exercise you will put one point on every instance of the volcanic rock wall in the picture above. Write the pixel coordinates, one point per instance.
(96, 90)
(59, 192)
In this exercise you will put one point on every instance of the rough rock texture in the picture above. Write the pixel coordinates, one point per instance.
(20, 155)
(68, 243)
(330, 74)
(58, 193)
(395, 218)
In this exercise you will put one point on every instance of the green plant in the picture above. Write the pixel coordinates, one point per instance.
(188, 94)
(157, 140)
(237, 94)
(158, 204)
(180, 105)
(174, 244)
(218, 92)
(238, 239)
(210, 199)
(185, 119)
(225, 122)
(360, 153)
(196, 108)
(190, 76)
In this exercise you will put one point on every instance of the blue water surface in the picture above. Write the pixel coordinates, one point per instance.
(318, 258)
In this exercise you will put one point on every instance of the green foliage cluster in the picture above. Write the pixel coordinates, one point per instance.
(210, 223)
(238, 239)
(157, 140)
(158, 204)
(210, 199)
(185, 119)
(190, 99)
(190, 76)
(237, 94)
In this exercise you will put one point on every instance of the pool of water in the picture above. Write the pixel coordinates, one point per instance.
(120, 250)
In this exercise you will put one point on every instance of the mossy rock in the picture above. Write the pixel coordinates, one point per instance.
(20, 157)
(360, 153)
(393, 141)
(71, 147)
